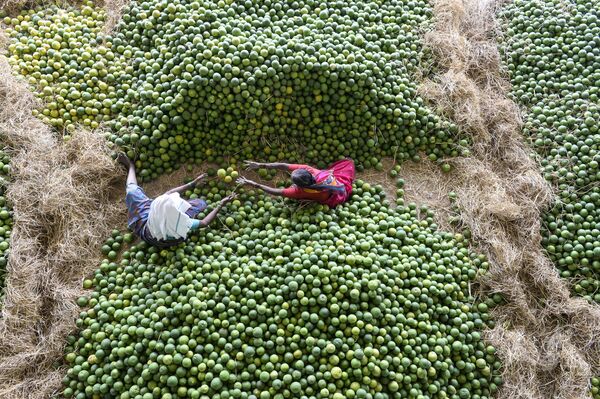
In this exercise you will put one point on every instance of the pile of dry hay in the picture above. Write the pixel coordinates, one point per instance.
(549, 342)
(114, 10)
(61, 195)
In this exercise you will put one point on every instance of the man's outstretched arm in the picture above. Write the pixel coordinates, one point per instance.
(208, 219)
(188, 186)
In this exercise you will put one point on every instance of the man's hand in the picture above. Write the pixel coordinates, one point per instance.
(213, 214)
(199, 179)
(229, 198)
(251, 165)
(245, 181)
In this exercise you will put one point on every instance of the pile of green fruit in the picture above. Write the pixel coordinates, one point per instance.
(65, 57)
(227, 175)
(183, 81)
(554, 64)
(288, 302)
(363, 301)
(5, 218)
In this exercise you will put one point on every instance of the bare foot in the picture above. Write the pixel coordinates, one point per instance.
(123, 160)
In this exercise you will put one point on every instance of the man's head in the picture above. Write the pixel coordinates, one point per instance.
(302, 178)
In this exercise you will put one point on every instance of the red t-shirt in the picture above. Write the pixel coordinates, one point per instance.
(305, 193)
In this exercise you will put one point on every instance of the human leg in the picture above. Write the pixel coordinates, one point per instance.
(131, 177)
(125, 161)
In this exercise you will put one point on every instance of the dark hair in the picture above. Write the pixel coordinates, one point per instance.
(303, 178)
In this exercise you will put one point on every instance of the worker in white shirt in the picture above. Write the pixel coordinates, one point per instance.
(166, 220)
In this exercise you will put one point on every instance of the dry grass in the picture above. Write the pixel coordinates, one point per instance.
(64, 209)
(114, 10)
(424, 184)
(382, 178)
(13, 7)
(547, 340)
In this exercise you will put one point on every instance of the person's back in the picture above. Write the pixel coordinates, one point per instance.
(145, 217)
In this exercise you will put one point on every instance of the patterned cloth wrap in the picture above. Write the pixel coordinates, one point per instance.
(340, 174)
(138, 209)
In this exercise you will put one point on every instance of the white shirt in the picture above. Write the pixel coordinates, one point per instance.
(167, 218)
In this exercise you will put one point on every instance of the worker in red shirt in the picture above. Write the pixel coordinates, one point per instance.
(331, 186)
